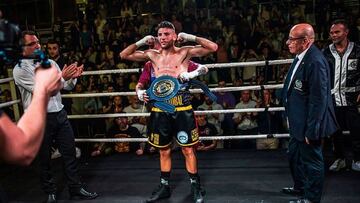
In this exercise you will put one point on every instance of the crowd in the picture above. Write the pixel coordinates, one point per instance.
(244, 31)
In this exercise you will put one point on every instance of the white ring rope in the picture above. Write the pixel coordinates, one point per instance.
(103, 94)
(224, 89)
(4, 80)
(227, 137)
(214, 65)
(115, 115)
(5, 104)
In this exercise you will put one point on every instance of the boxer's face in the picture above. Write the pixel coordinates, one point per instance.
(338, 33)
(167, 37)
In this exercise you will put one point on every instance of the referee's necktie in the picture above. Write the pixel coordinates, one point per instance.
(290, 72)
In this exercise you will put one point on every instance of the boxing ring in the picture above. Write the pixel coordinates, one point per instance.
(229, 176)
(225, 89)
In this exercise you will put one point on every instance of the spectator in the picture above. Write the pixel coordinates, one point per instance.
(227, 101)
(245, 122)
(205, 129)
(122, 129)
(58, 30)
(214, 118)
(269, 122)
(136, 107)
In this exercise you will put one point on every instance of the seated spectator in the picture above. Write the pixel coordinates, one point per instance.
(80, 126)
(120, 129)
(205, 129)
(245, 122)
(105, 83)
(196, 100)
(102, 148)
(113, 105)
(136, 107)
(78, 103)
(248, 55)
(133, 81)
(120, 84)
(269, 122)
(227, 101)
(213, 118)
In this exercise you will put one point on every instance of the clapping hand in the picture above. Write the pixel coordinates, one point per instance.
(72, 71)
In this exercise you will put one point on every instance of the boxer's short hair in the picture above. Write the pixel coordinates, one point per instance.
(166, 24)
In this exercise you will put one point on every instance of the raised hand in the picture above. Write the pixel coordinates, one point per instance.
(184, 37)
(48, 79)
(72, 71)
(147, 40)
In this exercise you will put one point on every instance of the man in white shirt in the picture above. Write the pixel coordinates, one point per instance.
(58, 127)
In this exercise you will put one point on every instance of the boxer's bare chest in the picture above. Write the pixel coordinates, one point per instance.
(171, 65)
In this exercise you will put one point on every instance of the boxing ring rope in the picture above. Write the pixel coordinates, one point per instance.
(115, 115)
(224, 89)
(10, 103)
(213, 65)
(226, 137)
(13, 94)
(4, 80)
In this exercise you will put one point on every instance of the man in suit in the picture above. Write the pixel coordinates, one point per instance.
(310, 112)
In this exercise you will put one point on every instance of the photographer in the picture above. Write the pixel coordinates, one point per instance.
(58, 127)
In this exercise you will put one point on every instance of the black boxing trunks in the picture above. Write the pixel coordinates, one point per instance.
(172, 114)
(163, 126)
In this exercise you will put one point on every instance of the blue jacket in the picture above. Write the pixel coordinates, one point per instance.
(308, 101)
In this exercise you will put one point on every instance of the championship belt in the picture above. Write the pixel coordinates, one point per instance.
(166, 87)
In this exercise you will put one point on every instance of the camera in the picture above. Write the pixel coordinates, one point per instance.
(9, 42)
(10, 46)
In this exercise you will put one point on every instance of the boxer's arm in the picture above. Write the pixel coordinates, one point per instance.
(206, 46)
(130, 53)
(145, 76)
(143, 81)
(193, 72)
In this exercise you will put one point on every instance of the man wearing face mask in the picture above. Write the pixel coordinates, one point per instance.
(343, 57)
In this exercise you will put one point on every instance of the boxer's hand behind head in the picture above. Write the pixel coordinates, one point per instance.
(48, 79)
(184, 37)
(147, 40)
